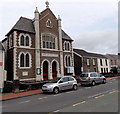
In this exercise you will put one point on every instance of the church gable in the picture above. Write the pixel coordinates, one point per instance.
(48, 22)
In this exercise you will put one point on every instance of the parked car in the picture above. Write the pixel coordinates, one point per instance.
(92, 78)
(59, 84)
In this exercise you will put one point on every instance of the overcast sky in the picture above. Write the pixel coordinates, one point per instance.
(92, 24)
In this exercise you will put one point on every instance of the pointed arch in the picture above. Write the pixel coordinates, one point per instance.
(55, 68)
(22, 60)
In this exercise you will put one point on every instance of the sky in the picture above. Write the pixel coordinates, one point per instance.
(92, 24)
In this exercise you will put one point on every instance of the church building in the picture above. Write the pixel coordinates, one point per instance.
(38, 49)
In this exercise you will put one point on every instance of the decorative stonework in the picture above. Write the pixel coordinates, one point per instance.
(25, 73)
(49, 55)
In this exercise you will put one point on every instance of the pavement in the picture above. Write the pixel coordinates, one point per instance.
(9, 96)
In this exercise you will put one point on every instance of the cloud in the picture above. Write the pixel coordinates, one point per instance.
(98, 41)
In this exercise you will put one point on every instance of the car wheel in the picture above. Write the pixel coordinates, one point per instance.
(56, 90)
(104, 81)
(74, 87)
(93, 83)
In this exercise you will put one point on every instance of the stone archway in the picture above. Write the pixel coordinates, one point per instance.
(54, 69)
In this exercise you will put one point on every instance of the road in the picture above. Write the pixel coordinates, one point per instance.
(99, 98)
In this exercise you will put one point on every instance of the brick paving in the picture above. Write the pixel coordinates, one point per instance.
(32, 92)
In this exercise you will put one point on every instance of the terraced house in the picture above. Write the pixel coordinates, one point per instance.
(38, 48)
(90, 62)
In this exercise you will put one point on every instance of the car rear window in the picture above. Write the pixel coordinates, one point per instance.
(84, 75)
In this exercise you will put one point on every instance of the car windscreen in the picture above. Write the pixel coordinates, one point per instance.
(84, 75)
(55, 80)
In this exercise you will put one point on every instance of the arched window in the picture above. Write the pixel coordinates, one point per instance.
(22, 60)
(67, 46)
(27, 60)
(27, 41)
(49, 23)
(66, 61)
(22, 40)
(49, 41)
(69, 61)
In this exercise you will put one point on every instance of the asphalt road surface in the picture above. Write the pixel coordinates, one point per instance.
(99, 98)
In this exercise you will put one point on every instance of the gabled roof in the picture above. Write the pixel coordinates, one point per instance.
(47, 10)
(24, 24)
(88, 54)
(112, 56)
(65, 36)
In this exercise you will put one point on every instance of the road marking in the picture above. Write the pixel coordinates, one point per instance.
(88, 87)
(25, 102)
(99, 96)
(70, 92)
(79, 103)
(57, 95)
(94, 95)
(112, 91)
(42, 98)
(56, 111)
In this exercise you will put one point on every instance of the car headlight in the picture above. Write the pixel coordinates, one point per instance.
(49, 86)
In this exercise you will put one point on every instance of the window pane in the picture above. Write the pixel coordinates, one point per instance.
(27, 41)
(50, 45)
(65, 46)
(27, 60)
(43, 44)
(47, 44)
(22, 40)
(68, 46)
(68, 61)
(22, 60)
(53, 45)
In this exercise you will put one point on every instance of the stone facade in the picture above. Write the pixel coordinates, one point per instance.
(37, 49)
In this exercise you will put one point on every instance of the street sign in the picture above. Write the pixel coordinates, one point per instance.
(38, 71)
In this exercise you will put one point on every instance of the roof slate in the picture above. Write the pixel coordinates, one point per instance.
(88, 54)
(24, 24)
(65, 36)
(112, 56)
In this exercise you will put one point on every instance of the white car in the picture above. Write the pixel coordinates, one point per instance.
(59, 84)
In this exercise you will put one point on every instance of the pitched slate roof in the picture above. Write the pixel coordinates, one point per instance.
(65, 36)
(24, 24)
(112, 56)
(88, 54)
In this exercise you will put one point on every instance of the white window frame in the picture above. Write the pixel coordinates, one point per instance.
(94, 62)
(51, 25)
(25, 35)
(88, 61)
(53, 36)
(30, 60)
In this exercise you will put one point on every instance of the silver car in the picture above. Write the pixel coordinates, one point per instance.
(91, 78)
(59, 84)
